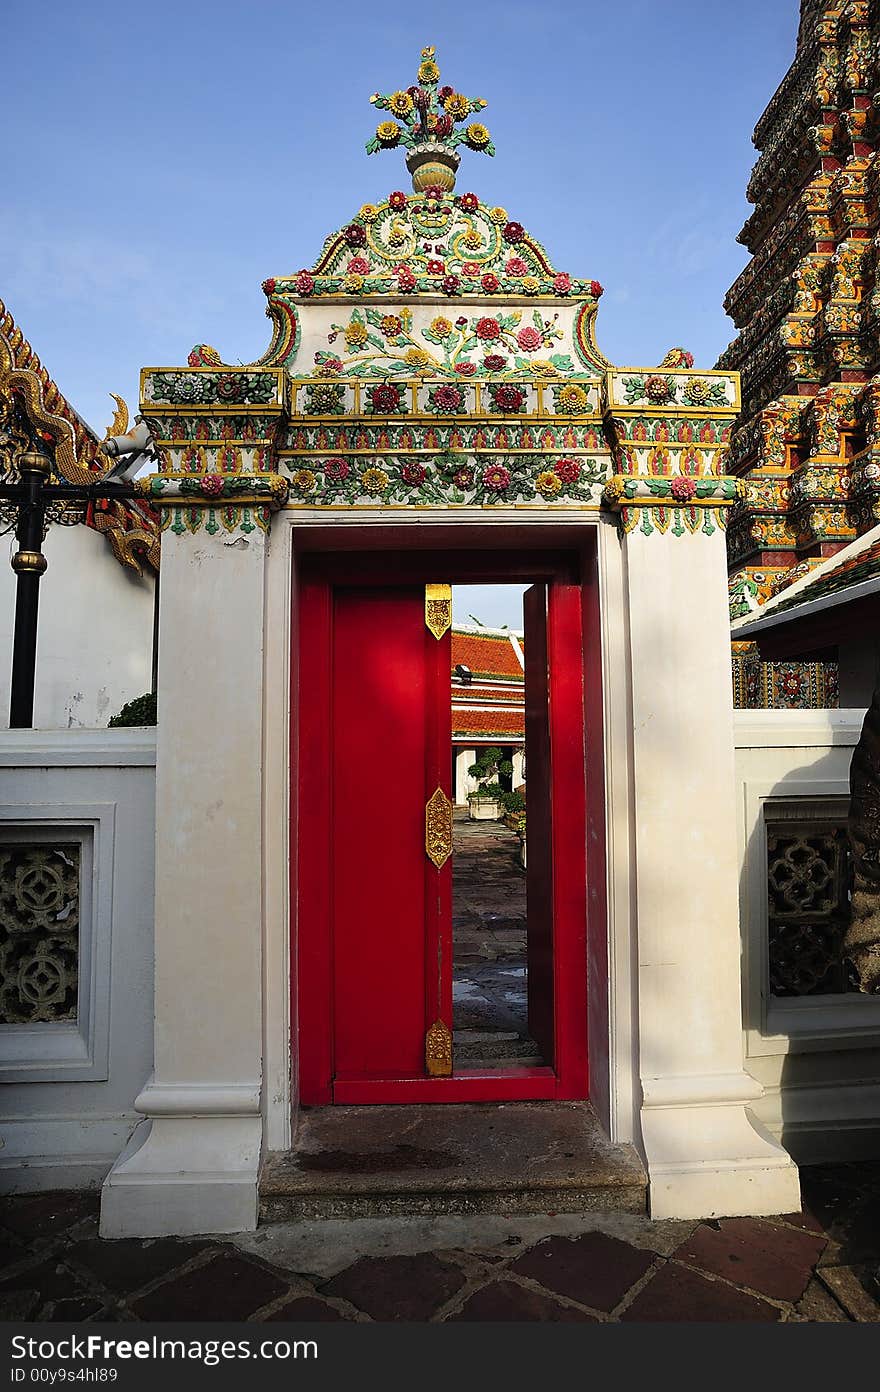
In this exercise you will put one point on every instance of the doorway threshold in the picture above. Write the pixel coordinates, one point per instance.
(502, 1158)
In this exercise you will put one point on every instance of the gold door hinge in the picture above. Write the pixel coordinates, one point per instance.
(438, 828)
(438, 609)
(438, 1051)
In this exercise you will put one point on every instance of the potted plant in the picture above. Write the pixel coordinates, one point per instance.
(514, 804)
(521, 833)
(484, 803)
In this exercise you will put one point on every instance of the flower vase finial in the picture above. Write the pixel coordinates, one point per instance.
(429, 122)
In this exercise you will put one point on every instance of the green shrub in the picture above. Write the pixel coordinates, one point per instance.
(140, 711)
(512, 802)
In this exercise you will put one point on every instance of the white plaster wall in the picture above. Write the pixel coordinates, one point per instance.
(65, 1115)
(464, 784)
(95, 633)
(817, 1058)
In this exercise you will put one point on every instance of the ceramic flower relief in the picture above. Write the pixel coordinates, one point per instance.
(571, 399)
(448, 478)
(484, 345)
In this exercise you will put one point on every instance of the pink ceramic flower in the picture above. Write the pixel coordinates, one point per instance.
(496, 477)
(490, 282)
(211, 485)
(528, 339)
(562, 283)
(516, 266)
(358, 265)
(488, 329)
(305, 282)
(683, 489)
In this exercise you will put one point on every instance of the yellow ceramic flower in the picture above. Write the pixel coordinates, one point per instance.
(542, 368)
(531, 285)
(374, 481)
(573, 397)
(303, 480)
(472, 238)
(400, 103)
(498, 215)
(548, 484)
(477, 135)
(457, 106)
(388, 132)
(327, 369)
(441, 327)
(369, 212)
(355, 333)
(351, 284)
(417, 357)
(428, 71)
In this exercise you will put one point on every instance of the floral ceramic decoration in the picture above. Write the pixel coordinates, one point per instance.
(446, 478)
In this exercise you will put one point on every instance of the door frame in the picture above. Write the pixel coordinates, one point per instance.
(578, 871)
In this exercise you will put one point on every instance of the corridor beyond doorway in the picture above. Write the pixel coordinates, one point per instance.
(489, 1002)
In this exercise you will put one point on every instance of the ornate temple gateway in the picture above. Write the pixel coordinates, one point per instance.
(432, 410)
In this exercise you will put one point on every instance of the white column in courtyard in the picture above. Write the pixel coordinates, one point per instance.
(464, 784)
(705, 1151)
(192, 1165)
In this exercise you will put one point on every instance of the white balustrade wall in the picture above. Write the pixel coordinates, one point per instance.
(70, 1083)
(816, 1055)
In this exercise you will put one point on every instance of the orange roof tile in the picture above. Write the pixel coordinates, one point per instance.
(486, 654)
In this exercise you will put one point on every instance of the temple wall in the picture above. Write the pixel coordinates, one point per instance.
(815, 1054)
(95, 637)
(82, 1047)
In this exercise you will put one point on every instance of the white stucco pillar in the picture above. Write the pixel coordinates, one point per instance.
(518, 772)
(464, 784)
(706, 1154)
(192, 1165)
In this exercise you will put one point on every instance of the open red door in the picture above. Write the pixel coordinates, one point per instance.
(539, 824)
(372, 873)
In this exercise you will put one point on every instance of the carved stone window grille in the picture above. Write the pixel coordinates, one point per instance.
(39, 931)
(808, 881)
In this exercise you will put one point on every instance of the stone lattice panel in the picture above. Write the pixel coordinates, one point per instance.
(39, 932)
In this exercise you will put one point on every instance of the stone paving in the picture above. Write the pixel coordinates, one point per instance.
(818, 1266)
(489, 946)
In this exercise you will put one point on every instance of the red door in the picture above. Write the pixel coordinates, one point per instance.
(373, 1000)
(391, 913)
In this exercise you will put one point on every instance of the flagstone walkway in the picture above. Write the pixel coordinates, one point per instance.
(813, 1267)
(489, 946)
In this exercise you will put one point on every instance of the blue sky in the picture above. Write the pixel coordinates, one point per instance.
(162, 160)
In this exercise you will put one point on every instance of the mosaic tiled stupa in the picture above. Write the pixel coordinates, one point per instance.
(807, 308)
(433, 356)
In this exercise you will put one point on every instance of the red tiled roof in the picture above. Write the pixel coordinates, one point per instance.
(488, 724)
(477, 695)
(486, 654)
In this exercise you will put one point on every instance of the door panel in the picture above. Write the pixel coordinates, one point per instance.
(539, 829)
(371, 743)
(391, 920)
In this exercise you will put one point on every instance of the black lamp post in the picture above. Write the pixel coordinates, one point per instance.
(33, 493)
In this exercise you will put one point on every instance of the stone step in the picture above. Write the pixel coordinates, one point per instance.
(514, 1157)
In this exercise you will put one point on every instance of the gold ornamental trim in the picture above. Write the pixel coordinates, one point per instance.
(438, 1051)
(29, 562)
(438, 828)
(438, 609)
